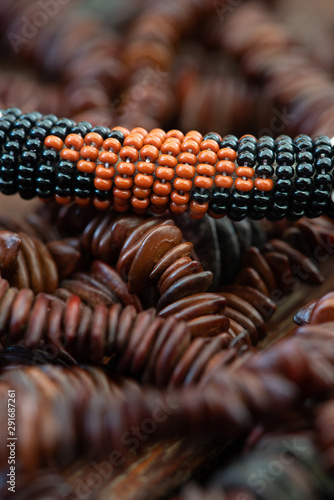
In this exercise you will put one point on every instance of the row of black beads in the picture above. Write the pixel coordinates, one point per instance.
(304, 171)
(14, 127)
(264, 170)
(284, 172)
(322, 181)
(47, 159)
(240, 201)
(220, 197)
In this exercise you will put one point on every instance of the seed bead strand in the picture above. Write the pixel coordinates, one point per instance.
(142, 170)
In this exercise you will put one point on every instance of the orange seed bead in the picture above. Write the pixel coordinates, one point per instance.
(141, 193)
(164, 173)
(86, 166)
(159, 200)
(74, 141)
(123, 182)
(243, 184)
(190, 146)
(153, 140)
(102, 184)
(182, 184)
(203, 182)
(129, 152)
(122, 194)
(139, 130)
(170, 147)
(177, 134)
(124, 130)
(52, 141)
(92, 138)
(63, 200)
(162, 189)
(226, 166)
(126, 168)
(207, 156)
(70, 155)
(264, 184)
(186, 157)
(143, 181)
(195, 135)
(108, 157)
(101, 205)
(227, 154)
(140, 204)
(177, 209)
(105, 173)
(112, 144)
(145, 167)
(179, 199)
(210, 144)
(89, 153)
(187, 171)
(245, 172)
(149, 152)
(134, 140)
(167, 161)
(223, 181)
(159, 132)
(205, 169)
(199, 208)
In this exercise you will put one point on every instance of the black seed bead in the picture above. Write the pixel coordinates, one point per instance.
(49, 155)
(305, 169)
(321, 140)
(301, 196)
(66, 124)
(261, 199)
(23, 124)
(63, 181)
(117, 134)
(284, 171)
(59, 132)
(284, 185)
(9, 118)
(304, 157)
(323, 149)
(18, 134)
(265, 142)
(80, 130)
(199, 196)
(316, 209)
(246, 158)
(33, 116)
(217, 209)
(45, 123)
(38, 133)
(12, 147)
(248, 138)
(246, 146)
(324, 164)
(304, 183)
(30, 157)
(284, 158)
(6, 126)
(13, 111)
(283, 138)
(266, 155)
(322, 180)
(229, 141)
(284, 147)
(66, 167)
(46, 171)
(212, 136)
(278, 211)
(237, 213)
(35, 145)
(62, 191)
(101, 195)
(84, 182)
(221, 197)
(86, 124)
(103, 131)
(3, 137)
(264, 170)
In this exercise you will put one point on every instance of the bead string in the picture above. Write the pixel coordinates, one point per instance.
(139, 170)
